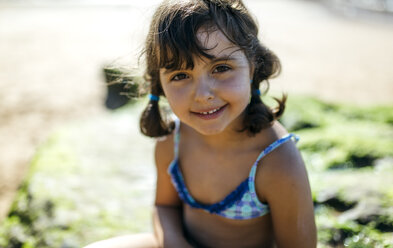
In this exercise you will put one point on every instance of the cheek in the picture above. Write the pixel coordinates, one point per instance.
(239, 89)
(177, 98)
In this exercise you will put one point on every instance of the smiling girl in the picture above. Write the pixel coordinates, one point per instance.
(228, 174)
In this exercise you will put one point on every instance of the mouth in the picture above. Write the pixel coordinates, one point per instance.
(210, 114)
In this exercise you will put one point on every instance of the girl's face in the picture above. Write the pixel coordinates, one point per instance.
(213, 95)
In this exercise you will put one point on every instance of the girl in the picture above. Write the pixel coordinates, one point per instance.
(228, 174)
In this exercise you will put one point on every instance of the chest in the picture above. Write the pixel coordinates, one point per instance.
(210, 176)
(211, 231)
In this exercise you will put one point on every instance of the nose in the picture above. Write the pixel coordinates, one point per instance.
(204, 89)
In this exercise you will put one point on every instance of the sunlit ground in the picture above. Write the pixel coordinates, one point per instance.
(51, 59)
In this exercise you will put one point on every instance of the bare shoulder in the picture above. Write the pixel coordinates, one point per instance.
(285, 160)
(166, 194)
(164, 151)
(281, 168)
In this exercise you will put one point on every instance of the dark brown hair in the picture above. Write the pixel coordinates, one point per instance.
(171, 43)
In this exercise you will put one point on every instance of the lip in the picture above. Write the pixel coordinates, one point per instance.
(212, 115)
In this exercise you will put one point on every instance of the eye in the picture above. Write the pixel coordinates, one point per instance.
(221, 68)
(179, 76)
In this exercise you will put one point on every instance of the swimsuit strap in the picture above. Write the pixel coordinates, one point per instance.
(176, 138)
(267, 150)
(271, 148)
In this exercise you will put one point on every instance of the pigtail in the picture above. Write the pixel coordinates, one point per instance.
(279, 110)
(151, 122)
(270, 67)
(258, 114)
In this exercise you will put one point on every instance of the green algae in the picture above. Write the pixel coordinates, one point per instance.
(337, 136)
(90, 180)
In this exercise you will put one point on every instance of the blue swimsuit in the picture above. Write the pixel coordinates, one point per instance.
(242, 203)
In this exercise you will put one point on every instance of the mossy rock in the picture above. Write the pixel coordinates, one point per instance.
(340, 136)
(379, 114)
(123, 85)
(354, 207)
(132, 81)
(346, 146)
(306, 112)
(90, 180)
(350, 234)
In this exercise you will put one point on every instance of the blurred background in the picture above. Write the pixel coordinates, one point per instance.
(74, 168)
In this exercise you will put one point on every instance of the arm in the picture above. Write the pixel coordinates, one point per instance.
(286, 189)
(167, 227)
(167, 216)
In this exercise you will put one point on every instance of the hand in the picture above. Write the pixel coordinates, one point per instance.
(177, 243)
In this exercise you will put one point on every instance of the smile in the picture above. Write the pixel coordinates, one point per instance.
(211, 114)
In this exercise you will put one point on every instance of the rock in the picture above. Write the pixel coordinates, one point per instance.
(330, 197)
(123, 85)
(370, 212)
(90, 180)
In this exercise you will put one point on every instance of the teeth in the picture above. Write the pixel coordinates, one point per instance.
(210, 112)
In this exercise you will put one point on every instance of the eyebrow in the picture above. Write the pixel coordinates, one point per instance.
(224, 58)
(214, 60)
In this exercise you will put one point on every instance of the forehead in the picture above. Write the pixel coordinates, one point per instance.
(178, 50)
(216, 43)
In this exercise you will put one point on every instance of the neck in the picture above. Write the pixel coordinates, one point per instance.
(229, 138)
